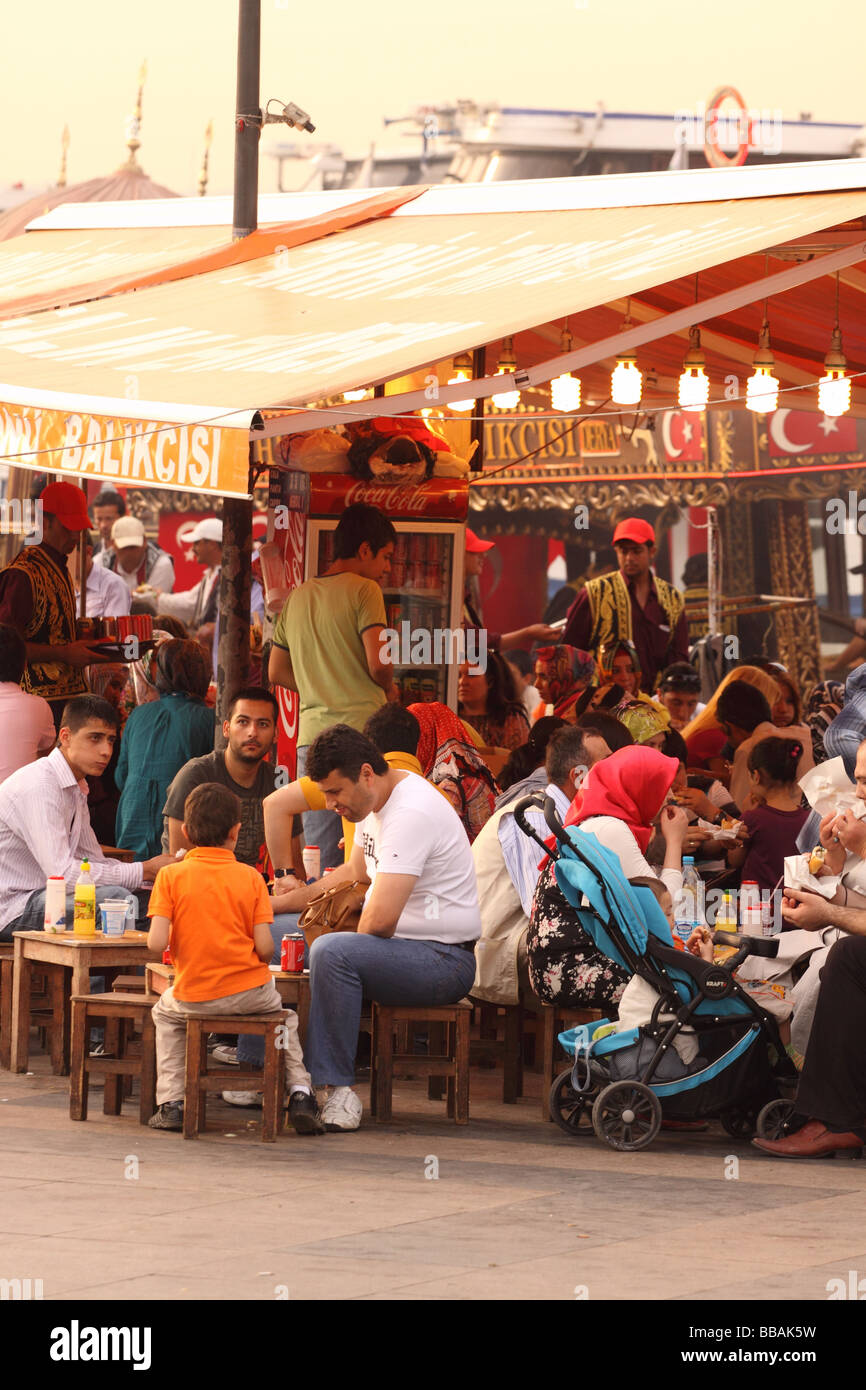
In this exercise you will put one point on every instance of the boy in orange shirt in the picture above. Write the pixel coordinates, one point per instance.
(215, 914)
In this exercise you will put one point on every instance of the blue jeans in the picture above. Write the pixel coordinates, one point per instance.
(251, 1050)
(33, 916)
(346, 968)
(322, 828)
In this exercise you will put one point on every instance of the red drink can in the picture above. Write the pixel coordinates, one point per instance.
(292, 954)
(166, 957)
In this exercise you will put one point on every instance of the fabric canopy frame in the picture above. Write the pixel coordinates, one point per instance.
(351, 301)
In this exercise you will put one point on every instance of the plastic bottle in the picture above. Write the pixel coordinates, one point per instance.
(689, 912)
(85, 903)
(726, 919)
(750, 907)
(55, 904)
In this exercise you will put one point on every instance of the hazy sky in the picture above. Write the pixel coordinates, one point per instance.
(350, 62)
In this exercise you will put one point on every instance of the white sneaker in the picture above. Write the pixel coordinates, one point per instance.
(342, 1110)
(222, 1053)
(249, 1098)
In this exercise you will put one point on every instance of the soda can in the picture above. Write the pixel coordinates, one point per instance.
(312, 863)
(166, 957)
(292, 954)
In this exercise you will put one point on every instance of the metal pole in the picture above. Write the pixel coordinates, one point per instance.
(233, 653)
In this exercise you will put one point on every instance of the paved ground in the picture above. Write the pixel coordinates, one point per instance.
(108, 1209)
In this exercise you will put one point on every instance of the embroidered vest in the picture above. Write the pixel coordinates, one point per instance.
(52, 622)
(610, 608)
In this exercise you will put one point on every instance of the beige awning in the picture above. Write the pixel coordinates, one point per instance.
(369, 303)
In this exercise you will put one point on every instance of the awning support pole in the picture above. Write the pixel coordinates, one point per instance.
(233, 655)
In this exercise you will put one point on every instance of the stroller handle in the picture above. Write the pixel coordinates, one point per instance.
(538, 801)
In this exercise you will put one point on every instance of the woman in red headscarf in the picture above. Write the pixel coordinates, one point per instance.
(619, 800)
(450, 761)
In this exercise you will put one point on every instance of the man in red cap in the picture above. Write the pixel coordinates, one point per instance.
(37, 599)
(496, 641)
(632, 605)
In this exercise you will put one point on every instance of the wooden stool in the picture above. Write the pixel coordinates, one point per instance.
(129, 984)
(452, 1063)
(46, 1005)
(7, 967)
(555, 1020)
(199, 1081)
(489, 1047)
(121, 1012)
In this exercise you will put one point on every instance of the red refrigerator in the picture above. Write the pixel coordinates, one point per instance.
(424, 594)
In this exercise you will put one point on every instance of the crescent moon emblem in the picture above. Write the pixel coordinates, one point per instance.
(671, 452)
(780, 438)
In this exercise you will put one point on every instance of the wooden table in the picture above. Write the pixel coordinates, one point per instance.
(293, 989)
(78, 955)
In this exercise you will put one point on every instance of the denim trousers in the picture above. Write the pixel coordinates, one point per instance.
(251, 1049)
(322, 828)
(33, 916)
(348, 967)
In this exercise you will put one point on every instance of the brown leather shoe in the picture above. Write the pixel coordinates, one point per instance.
(814, 1140)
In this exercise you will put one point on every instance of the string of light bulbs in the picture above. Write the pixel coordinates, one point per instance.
(693, 394)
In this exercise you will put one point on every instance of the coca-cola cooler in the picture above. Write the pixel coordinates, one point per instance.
(424, 594)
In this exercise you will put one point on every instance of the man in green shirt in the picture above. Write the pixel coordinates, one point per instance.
(327, 647)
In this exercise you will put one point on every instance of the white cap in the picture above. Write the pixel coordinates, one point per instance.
(127, 531)
(209, 530)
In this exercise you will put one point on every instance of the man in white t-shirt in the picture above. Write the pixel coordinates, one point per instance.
(416, 937)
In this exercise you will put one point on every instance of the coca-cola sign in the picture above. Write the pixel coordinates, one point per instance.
(437, 497)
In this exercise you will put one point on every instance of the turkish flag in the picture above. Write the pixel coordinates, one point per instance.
(682, 436)
(793, 432)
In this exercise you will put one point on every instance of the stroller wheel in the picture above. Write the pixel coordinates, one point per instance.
(571, 1109)
(627, 1115)
(740, 1121)
(774, 1119)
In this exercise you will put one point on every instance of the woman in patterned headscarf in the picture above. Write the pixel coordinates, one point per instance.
(160, 737)
(450, 760)
(562, 674)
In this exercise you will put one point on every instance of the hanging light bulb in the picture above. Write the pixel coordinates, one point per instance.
(506, 400)
(355, 395)
(762, 388)
(626, 382)
(834, 389)
(565, 389)
(694, 385)
(462, 372)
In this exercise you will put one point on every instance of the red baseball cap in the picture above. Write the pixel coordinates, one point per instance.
(633, 529)
(474, 545)
(67, 502)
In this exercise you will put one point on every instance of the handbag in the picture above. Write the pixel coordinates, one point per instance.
(334, 909)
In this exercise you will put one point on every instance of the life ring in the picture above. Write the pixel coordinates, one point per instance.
(715, 155)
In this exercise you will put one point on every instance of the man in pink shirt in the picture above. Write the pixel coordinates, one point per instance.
(26, 720)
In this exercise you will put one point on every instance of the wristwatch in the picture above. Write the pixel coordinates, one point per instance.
(282, 873)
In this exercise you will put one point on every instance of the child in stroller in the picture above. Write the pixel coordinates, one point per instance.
(624, 1082)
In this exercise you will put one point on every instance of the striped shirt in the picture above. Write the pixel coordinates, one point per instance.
(521, 854)
(45, 829)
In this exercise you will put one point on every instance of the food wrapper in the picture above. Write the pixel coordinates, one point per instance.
(716, 830)
(828, 787)
(797, 875)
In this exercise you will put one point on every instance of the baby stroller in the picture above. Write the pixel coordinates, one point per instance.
(622, 1085)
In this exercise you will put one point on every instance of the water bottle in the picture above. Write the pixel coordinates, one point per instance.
(85, 903)
(689, 912)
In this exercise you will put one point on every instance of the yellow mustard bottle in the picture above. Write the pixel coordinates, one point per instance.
(84, 923)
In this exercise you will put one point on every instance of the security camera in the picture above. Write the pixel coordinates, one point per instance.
(293, 115)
